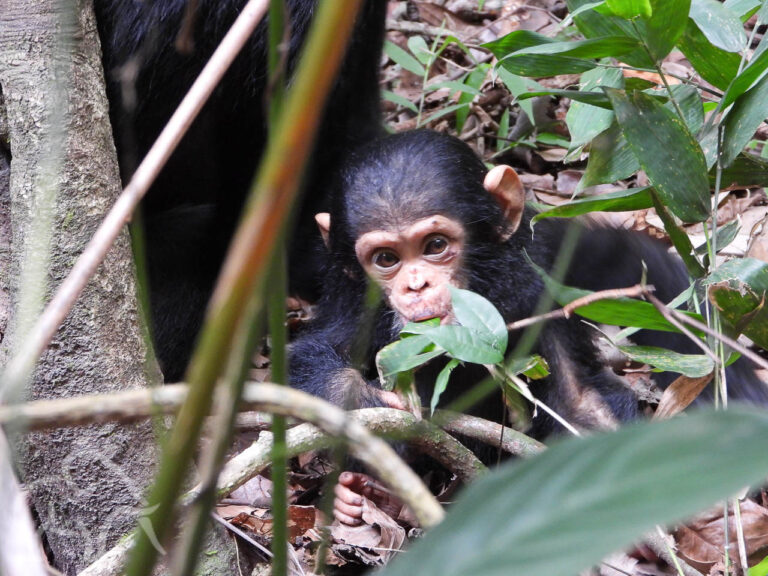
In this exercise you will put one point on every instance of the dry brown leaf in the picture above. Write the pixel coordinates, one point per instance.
(701, 542)
(373, 543)
(679, 395)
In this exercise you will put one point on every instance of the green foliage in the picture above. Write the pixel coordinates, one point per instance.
(565, 509)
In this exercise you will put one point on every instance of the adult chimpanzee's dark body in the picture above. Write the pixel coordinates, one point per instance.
(406, 178)
(192, 209)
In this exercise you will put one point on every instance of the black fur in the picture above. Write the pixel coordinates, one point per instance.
(409, 176)
(191, 211)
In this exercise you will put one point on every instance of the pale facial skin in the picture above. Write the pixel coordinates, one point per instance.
(414, 265)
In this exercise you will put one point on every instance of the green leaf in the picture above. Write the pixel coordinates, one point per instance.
(628, 9)
(680, 239)
(515, 41)
(585, 121)
(663, 29)
(725, 235)
(403, 355)
(466, 344)
(441, 384)
(503, 132)
(738, 288)
(691, 365)
(722, 27)
(586, 497)
(689, 100)
(756, 69)
(418, 47)
(519, 86)
(743, 120)
(405, 60)
(746, 171)
(619, 201)
(654, 133)
(603, 47)
(454, 86)
(554, 58)
(478, 314)
(592, 98)
(716, 66)
(413, 328)
(534, 367)
(744, 8)
(610, 159)
(619, 312)
(473, 80)
(399, 100)
(594, 25)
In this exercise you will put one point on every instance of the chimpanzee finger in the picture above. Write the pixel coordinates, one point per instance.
(344, 518)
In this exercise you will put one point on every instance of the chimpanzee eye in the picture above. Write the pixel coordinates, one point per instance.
(385, 259)
(436, 245)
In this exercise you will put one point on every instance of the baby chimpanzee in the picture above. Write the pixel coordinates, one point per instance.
(418, 212)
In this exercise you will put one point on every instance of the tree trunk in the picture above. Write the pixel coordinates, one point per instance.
(86, 484)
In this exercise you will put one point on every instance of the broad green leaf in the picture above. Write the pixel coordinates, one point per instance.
(403, 355)
(413, 328)
(689, 100)
(562, 511)
(441, 384)
(466, 344)
(399, 100)
(743, 120)
(603, 47)
(738, 288)
(619, 201)
(620, 312)
(662, 30)
(628, 9)
(515, 41)
(760, 569)
(405, 60)
(519, 86)
(747, 170)
(722, 27)
(418, 47)
(654, 133)
(691, 365)
(755, 71)
(585, 121)
(594, 25)
(716, 66)
(478, 314)
(542, 65)
(744, 8)
(610, 159)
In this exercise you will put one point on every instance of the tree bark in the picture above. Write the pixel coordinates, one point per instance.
(86, 485)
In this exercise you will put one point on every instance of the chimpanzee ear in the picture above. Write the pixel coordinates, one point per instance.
(504, 185)
(323, 220)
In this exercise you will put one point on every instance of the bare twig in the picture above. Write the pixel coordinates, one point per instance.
(509, 440)
(85, 266)
(568, 309)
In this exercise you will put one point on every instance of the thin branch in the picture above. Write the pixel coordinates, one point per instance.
(568, 309)
(70, 289)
